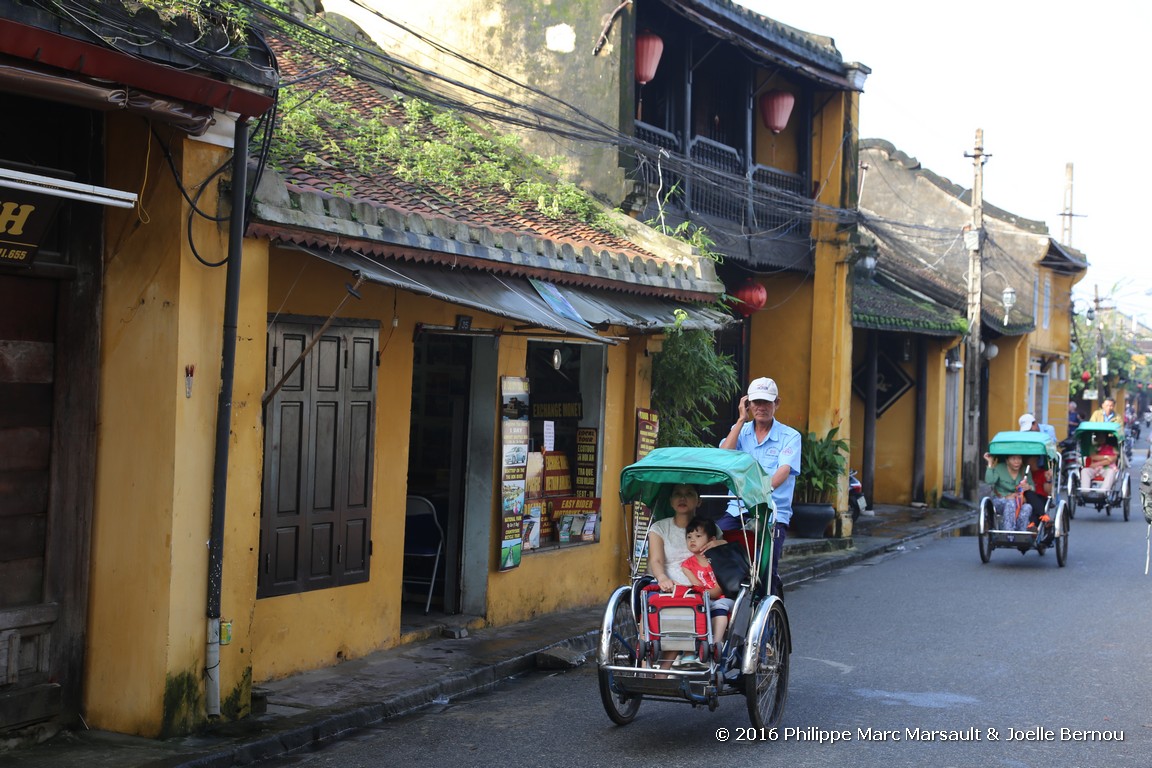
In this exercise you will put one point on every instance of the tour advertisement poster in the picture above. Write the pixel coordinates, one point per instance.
(647, 430)
(584, 483)
(514, 439)
(577, 517)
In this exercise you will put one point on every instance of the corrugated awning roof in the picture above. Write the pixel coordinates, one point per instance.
(531, 303)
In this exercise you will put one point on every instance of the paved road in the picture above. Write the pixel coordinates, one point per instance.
(925, 638)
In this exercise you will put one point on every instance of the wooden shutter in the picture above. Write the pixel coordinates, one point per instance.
(319, 439)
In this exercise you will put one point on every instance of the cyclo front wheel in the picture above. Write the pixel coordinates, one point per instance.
(766, 688)
(619, 646)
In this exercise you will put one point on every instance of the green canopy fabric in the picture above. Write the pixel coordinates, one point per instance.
(1109, 427)
(650, 479)
(1087, 430)
(1023, 444)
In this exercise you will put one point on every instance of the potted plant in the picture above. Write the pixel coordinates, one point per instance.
(823, 461)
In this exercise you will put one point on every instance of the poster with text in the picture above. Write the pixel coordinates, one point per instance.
(584, 483)
(514, 441)
(647, 430)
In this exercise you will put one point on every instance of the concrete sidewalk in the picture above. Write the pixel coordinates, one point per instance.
(317, 706)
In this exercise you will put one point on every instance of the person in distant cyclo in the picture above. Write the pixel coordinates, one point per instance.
(1009, 480)
(1101, 464)
(1038, 469)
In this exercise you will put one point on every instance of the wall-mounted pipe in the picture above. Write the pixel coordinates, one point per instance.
(224, 418)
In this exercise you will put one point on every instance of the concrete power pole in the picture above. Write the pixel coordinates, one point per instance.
(974, 240)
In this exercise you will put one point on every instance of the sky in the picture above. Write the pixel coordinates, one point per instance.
(1050, 83)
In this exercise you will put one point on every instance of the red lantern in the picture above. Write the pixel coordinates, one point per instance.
(1085, 377)
(775, 109)
(751, 297)
(649, 47)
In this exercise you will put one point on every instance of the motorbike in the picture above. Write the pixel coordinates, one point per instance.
(857, 504)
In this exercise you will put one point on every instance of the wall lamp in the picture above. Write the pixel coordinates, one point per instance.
(46, 185)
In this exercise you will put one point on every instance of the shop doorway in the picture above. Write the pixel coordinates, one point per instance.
(450, 465)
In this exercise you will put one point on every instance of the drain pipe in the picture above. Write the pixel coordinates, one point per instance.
(224, 417)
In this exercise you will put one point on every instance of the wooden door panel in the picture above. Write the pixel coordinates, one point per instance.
(318, 458)
(25, 405)
(290, 442)
(325, 453)
(22, 492)
(286, 565)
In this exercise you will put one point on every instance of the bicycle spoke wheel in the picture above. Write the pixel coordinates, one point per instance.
(623, 643)
(767, 687)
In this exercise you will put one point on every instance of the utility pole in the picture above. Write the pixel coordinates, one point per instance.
(973, 239)
(1066, 222)
(1101, 355)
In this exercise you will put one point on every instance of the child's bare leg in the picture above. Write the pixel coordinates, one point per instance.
(719, 627)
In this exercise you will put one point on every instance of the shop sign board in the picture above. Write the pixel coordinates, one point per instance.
(24, 220)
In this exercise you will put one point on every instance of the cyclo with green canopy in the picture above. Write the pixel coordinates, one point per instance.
(1036, 448)
(640, 623)
(1089, 437)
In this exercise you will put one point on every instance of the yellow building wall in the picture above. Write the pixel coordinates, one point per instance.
(935, 418)
(583, 575)
(803, 336)
(1055, 344)
(830, 343)
(1007, 384)
(780, 347)
(779, 150)
(895, 430)
(315, 629)
(162, 312)
(293, 633)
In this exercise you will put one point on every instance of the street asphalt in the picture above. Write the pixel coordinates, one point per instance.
(448, 660)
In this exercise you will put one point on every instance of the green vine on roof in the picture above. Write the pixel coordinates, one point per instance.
(231, 17)
(432, 148)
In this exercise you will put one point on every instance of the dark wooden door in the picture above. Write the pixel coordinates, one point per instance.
(315, 527)
(27, 380)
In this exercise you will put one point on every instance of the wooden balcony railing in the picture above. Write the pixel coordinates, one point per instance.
(721, 183)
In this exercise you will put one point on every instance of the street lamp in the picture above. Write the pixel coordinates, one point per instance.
(1007, 296)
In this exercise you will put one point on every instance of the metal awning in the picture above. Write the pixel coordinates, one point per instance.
(510, 297)
(644, 313)
(535, 303)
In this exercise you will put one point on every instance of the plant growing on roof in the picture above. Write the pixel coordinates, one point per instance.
(823, 461)
(434, 149)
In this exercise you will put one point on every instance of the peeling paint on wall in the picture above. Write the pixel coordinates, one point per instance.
(560, 38)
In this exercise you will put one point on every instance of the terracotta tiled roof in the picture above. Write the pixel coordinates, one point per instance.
(427, 220)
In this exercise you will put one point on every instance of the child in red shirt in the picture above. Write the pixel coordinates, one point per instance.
(701, 532)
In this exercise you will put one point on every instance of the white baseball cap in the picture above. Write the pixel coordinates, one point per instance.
(1026, 422)
(763, 389)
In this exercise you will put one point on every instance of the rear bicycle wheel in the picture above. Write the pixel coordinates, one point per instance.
(623, 645)
(767, 687)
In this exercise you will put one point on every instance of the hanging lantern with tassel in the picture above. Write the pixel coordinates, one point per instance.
(649, 47)
(776, 108)
(750, 297)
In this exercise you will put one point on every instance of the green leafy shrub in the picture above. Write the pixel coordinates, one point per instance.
(689, 378)
(823, 461)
